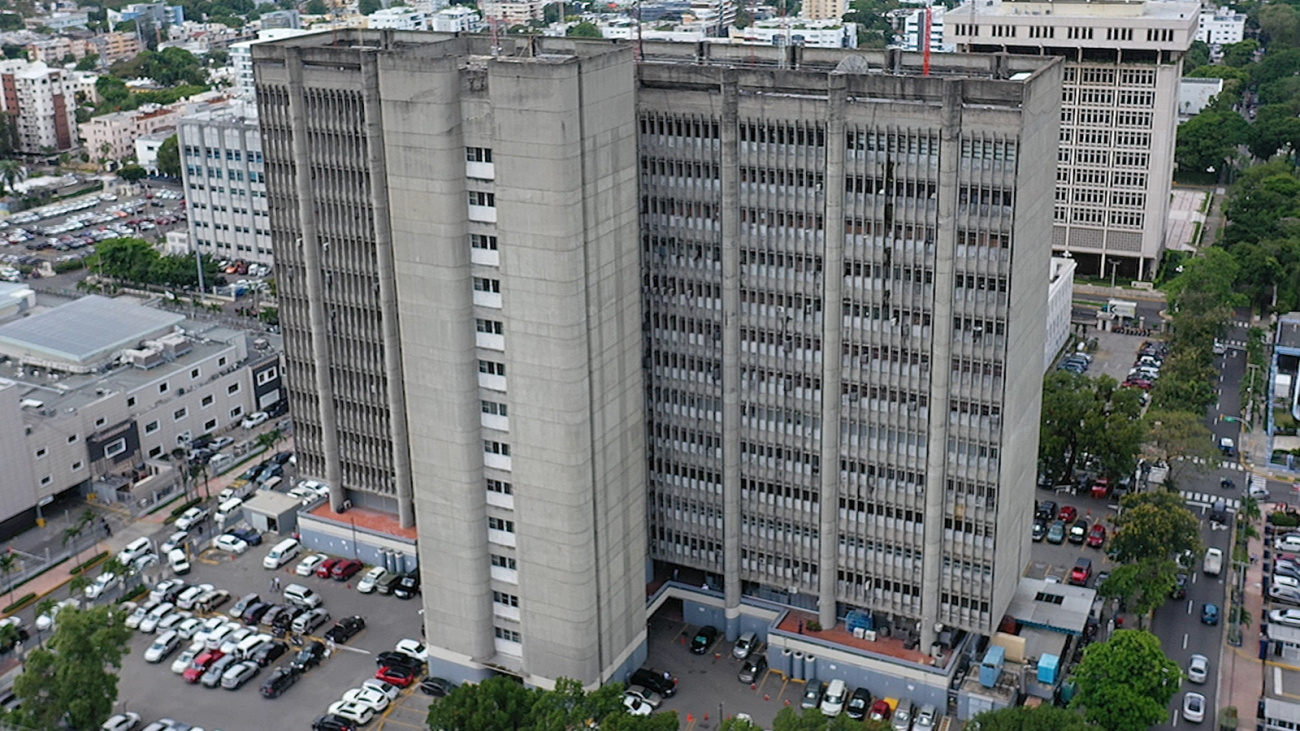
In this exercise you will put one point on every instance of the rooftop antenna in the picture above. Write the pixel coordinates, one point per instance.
(925, 42)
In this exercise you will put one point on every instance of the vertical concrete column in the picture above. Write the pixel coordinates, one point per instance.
(311, 257)
(936, 465)
(390, 334)
(832, 351)
(730, 167)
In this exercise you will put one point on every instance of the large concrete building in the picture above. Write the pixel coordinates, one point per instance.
(791, 368)
(1119, 112)
(41, 104)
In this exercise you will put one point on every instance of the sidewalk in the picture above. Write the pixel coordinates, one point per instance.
(1240, 671)
(124, 531)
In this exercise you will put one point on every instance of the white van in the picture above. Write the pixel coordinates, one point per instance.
(227, 509)
(220, 462)
(179, 562)
(273, 483)
(283, 552)
(249, 644)
(833, 702)
(135, 549)
(301, 596)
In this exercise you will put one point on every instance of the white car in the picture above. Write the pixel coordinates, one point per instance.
(162, 588)
(371, 577)
(1288, 582)
(191, 518)
(308, 566)
(255, 419)
(179, 561)
(368, 697)
(187, 656)
(233, 544)
(1194, 707)
(164, 645)
(1288, 617)
(645, 695)
(1198, 668)
(355, 712)
(316, 486)
(168, 623)
(103, 583)
(46, 621)
(379, 686)
(1289, 542)
(137, 615)
(187, 598)
(175, 541)
(188, 627)
(636, 706)
(216, 638)
(150, 622)
(413, 648)
(121, 722)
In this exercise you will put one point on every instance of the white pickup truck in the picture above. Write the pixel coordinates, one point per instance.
(1213, 561)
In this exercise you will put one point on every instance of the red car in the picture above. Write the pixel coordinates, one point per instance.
(1101, 488)
(327, 568)
(201, 665)
(346, 569)
(399, 675)
(1097, 537)
(1068, 513)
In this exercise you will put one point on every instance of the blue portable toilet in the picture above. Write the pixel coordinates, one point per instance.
(991, 668)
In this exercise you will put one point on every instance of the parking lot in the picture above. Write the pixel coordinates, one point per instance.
(155, 692)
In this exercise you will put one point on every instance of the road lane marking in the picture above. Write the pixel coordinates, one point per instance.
(1184, 641)
(1190, 605)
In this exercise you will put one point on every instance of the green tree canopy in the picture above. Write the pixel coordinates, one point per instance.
(1126, 683)
(132, 173)
(317, 7)
(73, 679)
(1209, 139)
(1154, 525)
(1240, 54)
(1197, 55)
(169, 158)
(585, 29)
(1181, 439)
(501, 703)
(1082, 418)
(11, 21)
(1144, 585)
(366, 7)
(1019, 718)
(88, 62)
(1281, 23)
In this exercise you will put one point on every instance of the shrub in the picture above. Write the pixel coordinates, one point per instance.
(22, 602)
(90, 563)
(185, 506)
(1284, 520)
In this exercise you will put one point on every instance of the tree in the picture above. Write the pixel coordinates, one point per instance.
(1020, 718)
(1082, 416)
(74, 531)
(496, 703)
(11, 21)
(570, 707)
(1143, 585)
(1181, 439)
(1125, 684)
(1198, 55)
(131, 173)
(317, 7)
(267, 441)
(9, 564)
(1154, 525)
(585, 29)
(88, 62)
(366, 7)
(1240, 54)
(1281, 23)
(1209, 139)
(11, 172)
(72, 682)
(499, 703)
(169, 158)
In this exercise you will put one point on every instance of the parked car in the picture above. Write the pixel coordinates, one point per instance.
(745, 645)
(191, 518)
(753, 669)
(310, 565)
(310, 620)
(309, 656)
(1039, 531)
(345, 629)
(1198, 668)
(255, 419)
(704, 639)
(121, 722)
(407, 586)
(438, 687)
(243, 604)
(1288, 617)
(326, 567)
(280, 680)
(1068, 513)
(1056, 533)
(372, 577)
(164, 645)
(1097, 537)
(236, 675)
(1079, 531)
(346, 569)
(812, 694)
(663, 683)
(858, 704)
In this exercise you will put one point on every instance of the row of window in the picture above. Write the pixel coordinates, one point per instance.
(213, 153)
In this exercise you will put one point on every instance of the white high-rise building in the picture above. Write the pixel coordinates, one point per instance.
(42, 103)
(1221, 26)
(1119, 112)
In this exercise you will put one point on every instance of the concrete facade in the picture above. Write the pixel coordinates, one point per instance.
(1060, 302)
(484, 301)
(1119, 111)
(43, 105)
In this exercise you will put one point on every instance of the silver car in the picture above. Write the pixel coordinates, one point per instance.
(236, 675)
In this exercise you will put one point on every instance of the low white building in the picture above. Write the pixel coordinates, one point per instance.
(146, 149)
(829, 33)
(241, 58)
(400, 18)
(105, 389)
(912, 30)
(1221, 26)
(1060, 297)
(512, 12)
(1195, 94)
(457, 19)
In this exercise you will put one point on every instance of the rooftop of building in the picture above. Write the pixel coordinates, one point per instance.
(796, 622)
(1288, 330)
(366, 519)
(84, 331)
(1169, 9)
(1051, 605)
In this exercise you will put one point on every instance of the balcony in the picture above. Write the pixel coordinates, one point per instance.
(480, 170)
(490, 341)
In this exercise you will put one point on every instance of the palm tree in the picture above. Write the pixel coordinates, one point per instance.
(11, 172)
(73, 532)
(8, 563)
(45, 606)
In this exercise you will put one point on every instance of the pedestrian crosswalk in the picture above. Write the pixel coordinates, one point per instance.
(1225, 464)
(1206, 500)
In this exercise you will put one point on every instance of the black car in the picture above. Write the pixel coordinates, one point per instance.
(704, 639)
(858, 704)
(393, 659)
(271, 469)
(309, 656)
(1046, 510)
(1040, 530)
(407, 586)
(436, 687)
(388, 583)
(285, 618)
(657, 680)
(281, 457)
(268, 619)
(256, 612)
(280, 408)
(268, 653)
(345, 629)
(333, 723)
(282, 678)
(248, 535)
